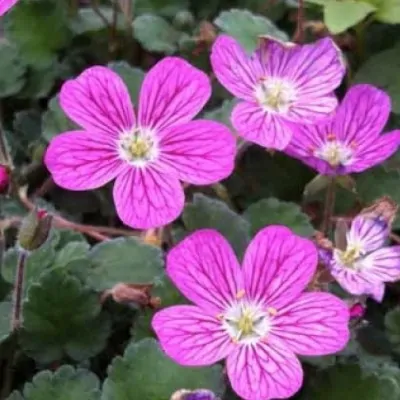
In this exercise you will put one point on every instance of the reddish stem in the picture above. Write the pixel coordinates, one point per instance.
(298, 36)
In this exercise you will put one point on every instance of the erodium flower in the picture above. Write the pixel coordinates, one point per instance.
(5, 5)
(363, 265)
(257, 316)
(280, 85)
(351, 141)
(149, 154)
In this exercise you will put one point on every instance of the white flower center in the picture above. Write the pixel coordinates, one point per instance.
(335, 153)
(246, 322)
(138, 147)
(275, 95)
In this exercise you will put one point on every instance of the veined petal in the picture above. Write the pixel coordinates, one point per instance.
(204, 268)
(370, 233)
(313, 325)
(376, 152)
(257, 126)
(199, 152)
(80, 160)
(98, 100)
(5, 5)
(265, 371)
(277, 266)
(172, 93)
(382, 265)
(191, 337)
(362, 115)
(235, 70)
(146, 198)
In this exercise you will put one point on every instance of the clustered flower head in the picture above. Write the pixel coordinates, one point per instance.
(257, 316)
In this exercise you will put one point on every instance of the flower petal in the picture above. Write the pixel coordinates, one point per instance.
(377, 151)
(383, 265)
(5, 5)
(278, 265)
(172, 93)
(98, 100)
(81, 160)
(362, 115)
(315, 324)
(257, 126)
(205, 269)
(191, 337)
(265, 371)
(199, 152)
(235, 70)
(146, 198)
(370, 233)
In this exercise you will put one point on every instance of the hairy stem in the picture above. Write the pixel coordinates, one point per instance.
(329, 206)
(18, 292)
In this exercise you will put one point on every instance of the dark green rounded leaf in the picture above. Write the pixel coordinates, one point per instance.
(12, 70)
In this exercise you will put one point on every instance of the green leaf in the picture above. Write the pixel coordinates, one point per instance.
(160, 7)
(12, 70)
(67, 383)
(87, 20)
(392, 324)
(223, 113)
(124, 260)
(156, 34)
(62, 318)
(133, 77)
(206, 212)
(388, 11)
(274, 212)
(388, 64)
(55, 121)
(5, 320)
(247, 27)
(145, 372)
(31, 26)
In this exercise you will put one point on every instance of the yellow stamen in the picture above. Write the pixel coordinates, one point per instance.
(139, 148)
(331, 136)
(273, 311)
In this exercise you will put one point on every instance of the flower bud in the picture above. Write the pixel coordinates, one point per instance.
(34, 230)
(356, 311)
(4, 179)
(199, 394)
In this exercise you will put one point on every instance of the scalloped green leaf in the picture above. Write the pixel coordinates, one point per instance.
(247, 27)
(12, 70)
(206, 212)
(5, 320)
(223, 113)
(160, 7)
(61, 317)
(145, 372)
(274, 212)
(392, 325)
(124, 260)
(156, 34)
(67, 383)
(388, 11)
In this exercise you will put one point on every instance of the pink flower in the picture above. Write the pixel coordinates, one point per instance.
(351, 140)
(149, 154)
(280, 84)
(4, 179)
(364, 265)
(257, 316)
(5, 5)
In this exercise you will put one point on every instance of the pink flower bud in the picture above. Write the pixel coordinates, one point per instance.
(4, 179)
(357, 311)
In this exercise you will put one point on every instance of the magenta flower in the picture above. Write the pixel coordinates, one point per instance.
(280, 85)
(4, 179)
(364, 265)
(5, 5)
(257, 316)
(149, 154)
(351, 141)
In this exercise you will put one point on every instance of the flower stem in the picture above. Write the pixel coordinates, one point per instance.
(18, 292)
(298, 36)
(329, 206)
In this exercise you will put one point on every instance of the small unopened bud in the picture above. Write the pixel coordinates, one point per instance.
(357, 311)
(34, 230)
(384, 209)
(132, 294)
(199, 394)
(4, 179)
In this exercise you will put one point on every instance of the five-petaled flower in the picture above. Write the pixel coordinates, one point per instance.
(149, 154)
(5, 5)
(351, 140)
(362, 264)
(281, 85)
(257, 316)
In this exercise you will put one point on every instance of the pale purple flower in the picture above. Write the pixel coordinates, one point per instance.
(351, 141)
(280, 85)
(365, 264)
(148, 154)
(257, 316)
(5, 5)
